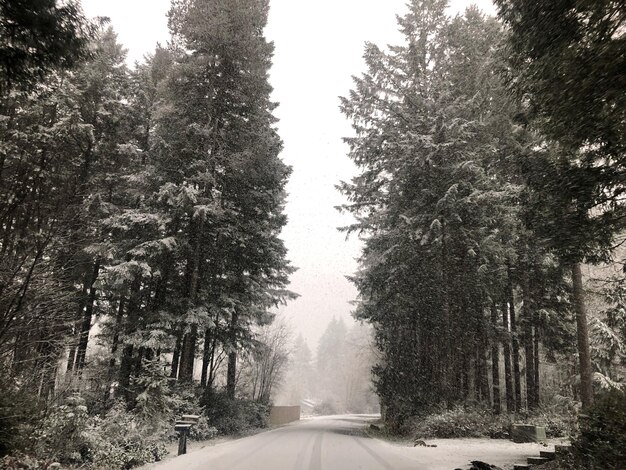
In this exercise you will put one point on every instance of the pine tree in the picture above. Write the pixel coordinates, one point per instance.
(562, 60)
(216, 152)
(438, 203)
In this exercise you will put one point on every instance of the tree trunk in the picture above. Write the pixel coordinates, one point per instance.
(118, 327)
(517, 378)
(515, 343)
(536, 358)
(495, 361)
(483, 378)
(77, 325)
(126, 369)
(126, 362)
(188, 355)
(114, 345)
(584, 358)
(508, 375)
(71, 358)
(85, 327)
(447, 384)
(188, 350)
(206, 357)
(212, 365)
(529, 344)
(176, 357)
(231, 373)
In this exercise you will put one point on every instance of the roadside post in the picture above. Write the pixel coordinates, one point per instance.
(182, 427)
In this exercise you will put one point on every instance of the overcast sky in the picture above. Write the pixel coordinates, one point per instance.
(319, 46)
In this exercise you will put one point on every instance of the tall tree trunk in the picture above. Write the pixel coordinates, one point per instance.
(206, 357)
(188, 350)
(484, 375)
(462, 380)
(85, 327)
(116, 334)
(114, 345)
(212, 365)
(515, 343)
(447, 385)
(231, 373)
(126, 369)
(71, 357)
(188, 355)
(517, 377)
(536, 358)
(77, 324)
(495, 361)
(584, 358)
(126, 362)
(529, 344)
(176, 356)
(508, 374)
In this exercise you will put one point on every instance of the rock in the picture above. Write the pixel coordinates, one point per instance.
(420, 443)
(373, 427)
(478, 465)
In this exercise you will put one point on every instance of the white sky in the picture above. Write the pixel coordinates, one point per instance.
(319, 46)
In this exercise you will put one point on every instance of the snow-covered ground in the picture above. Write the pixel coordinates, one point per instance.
(338, 443)
(457, 453)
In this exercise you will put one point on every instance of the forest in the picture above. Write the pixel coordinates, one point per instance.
(490, 201)
(141, 211)
(149, 199)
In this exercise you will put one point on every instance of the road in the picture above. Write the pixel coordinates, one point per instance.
(339, 443)
(328, 443)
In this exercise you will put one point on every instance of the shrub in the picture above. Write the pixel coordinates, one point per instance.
(601, 443)
(477, 421)
(461, 422)
(19, 460)
(234, 416)
(203, 431)
(119, 440)
(122, 440)
(61, 434)
(556, 424)
(20, 413)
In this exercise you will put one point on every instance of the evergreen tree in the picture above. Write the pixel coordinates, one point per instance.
(566, 61)
(38, 37)
(216, 152)
(441, 202)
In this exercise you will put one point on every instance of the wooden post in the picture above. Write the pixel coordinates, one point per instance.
(183, 431)
(182, 442)
(182, 427)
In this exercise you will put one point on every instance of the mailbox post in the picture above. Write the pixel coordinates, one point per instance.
(182, 427)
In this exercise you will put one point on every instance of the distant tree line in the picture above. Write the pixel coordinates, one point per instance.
(490, 156)
(338, 378)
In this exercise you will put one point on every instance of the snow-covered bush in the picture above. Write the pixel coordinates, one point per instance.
(61, 435)
(234, 416)
(123, 440)
(203, 430)
(461, 422)
(119, 439)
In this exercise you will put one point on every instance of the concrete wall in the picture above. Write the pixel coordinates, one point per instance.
(284, 414)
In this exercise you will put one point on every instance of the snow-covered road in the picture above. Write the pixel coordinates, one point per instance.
(338, 443)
